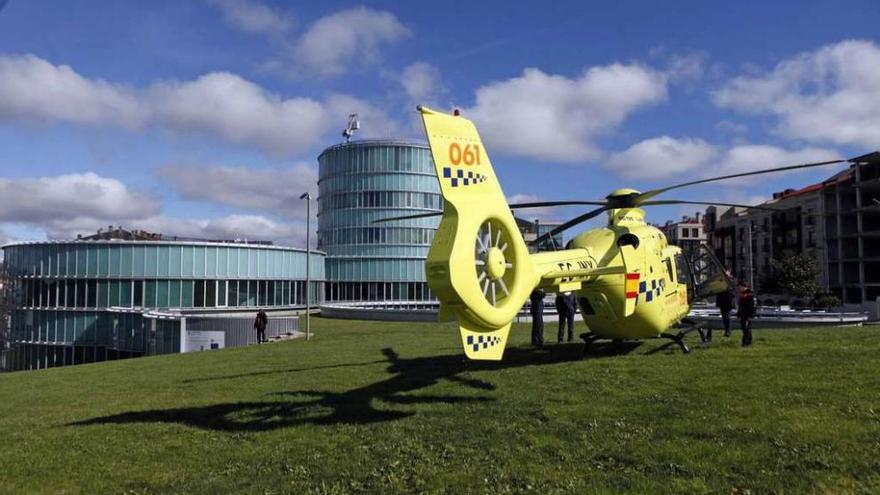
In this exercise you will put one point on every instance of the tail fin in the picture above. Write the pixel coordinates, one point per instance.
(478, 264)
(487, 346)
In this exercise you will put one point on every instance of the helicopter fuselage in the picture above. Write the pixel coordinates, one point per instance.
(654, 294)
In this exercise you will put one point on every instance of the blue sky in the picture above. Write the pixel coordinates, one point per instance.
(205, 117)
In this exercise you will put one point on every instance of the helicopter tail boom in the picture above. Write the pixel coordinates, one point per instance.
(478, 265)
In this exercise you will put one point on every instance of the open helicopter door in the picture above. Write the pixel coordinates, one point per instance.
(709, 276)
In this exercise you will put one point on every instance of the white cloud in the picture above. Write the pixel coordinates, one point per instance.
(351, 36)
(421, 82)
(686, 68)
(219, 104)
(731, 127)
(552, 117)
(661, 157)
(257, 189)
(35, 90)
(67, 205)
(239, 111)
(71, 197)
(665, 157)
(250, 227)
(828, 95)
(253, 17)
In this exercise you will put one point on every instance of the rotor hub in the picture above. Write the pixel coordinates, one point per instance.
(495, 263)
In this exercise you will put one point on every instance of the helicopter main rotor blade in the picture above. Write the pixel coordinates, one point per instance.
(571, 223)
(556, 203)
(514, 206)
(409, 217)
(707, 203)
(654, 192)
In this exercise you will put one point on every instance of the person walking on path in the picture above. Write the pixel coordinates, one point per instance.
(536, 308)
(260, 324)
(745, 311)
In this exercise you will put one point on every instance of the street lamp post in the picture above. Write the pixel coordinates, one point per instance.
(308, 197)
(751, 260)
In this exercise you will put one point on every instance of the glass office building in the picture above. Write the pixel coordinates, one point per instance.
(85, 301)
(363, 181)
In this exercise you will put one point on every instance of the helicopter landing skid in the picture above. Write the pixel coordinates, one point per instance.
(679, 339)
(687, 326)
(588, 338)
(691, 325)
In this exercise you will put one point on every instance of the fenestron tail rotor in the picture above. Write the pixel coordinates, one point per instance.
(491, 263)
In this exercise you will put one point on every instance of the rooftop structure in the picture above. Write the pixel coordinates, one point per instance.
(689, 233)
(118, 233)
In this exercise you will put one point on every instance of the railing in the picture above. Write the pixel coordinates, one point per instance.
(240, 331)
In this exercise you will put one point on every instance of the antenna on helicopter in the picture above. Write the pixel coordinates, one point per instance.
(353, 125)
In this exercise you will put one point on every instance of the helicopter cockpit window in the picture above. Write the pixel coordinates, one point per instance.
(683, 273)
(669, 270)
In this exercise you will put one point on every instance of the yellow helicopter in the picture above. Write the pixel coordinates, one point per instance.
(630, 283)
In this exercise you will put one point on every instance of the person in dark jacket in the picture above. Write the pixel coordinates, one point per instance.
(724, 301)
(572, 311)
(536, 308)
(745, 311)
(562, 313)
(565, 308)
(260, 324)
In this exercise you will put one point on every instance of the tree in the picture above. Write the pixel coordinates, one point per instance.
(796, 273)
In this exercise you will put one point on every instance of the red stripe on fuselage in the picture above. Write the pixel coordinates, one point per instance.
(632, 276)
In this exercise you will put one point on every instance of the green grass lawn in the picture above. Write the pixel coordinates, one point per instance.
(395, 408)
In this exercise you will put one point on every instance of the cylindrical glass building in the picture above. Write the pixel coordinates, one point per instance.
(84, 301)
(363, 181)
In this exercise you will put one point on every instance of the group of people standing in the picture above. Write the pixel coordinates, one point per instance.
(566, 308)
(746, 310)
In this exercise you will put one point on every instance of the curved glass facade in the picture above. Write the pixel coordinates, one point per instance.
(83, 301)
(363, 181)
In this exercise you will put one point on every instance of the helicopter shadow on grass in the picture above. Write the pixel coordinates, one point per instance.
(371, 403)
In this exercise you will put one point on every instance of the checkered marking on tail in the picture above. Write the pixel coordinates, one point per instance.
(652, 290)
(460, 177)
(482, 342)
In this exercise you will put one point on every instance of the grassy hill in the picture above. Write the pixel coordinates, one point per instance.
(395, 408)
